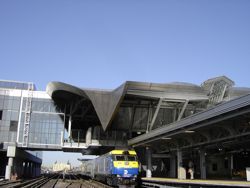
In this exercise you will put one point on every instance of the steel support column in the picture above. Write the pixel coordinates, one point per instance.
(203, 164)
(149, 162)
(231, 164)
(183, 110)
(172, 172)
(149, 117)
(69, 128)
(155, 114)
(223, 92)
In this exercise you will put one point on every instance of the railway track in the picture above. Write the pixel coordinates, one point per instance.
(54, 181)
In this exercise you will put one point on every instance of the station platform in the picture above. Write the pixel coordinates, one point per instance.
(197, 182)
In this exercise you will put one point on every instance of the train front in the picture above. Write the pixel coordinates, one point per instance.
(125, 166)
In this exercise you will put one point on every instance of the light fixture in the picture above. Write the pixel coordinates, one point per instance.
(189, 131)
(166, 138)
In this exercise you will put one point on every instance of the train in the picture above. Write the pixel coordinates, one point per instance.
(116, 168)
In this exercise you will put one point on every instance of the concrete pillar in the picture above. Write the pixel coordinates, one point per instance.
(9, 168)
(203, 164)
(69, 129)
(89, 136)
(231, 164)
(21, 168)
(34, 170)
(35, 167)
(17, 167)
(25, 170)
(181, 171)
(172, 172)
(23, 173)
(149, 162)
(39, 170)
(30, 168)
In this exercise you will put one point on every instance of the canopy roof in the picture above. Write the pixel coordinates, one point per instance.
(107, 102)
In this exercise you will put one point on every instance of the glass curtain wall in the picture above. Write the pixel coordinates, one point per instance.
(46, 123)
(9, 112)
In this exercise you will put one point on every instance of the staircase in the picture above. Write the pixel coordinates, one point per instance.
(27, 115)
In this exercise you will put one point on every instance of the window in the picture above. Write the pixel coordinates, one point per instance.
(1, 114)
(131, 158)
(125, 158)
(120, 158)
(13, 126)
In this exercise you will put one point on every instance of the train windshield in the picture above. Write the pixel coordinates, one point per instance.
(120, 158)
(131, 158)
(124, 158)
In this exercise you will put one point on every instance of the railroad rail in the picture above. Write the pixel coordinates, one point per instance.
(54, 181)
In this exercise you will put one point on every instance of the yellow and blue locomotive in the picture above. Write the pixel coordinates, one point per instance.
(118, 167)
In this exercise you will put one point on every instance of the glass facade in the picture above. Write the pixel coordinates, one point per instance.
(7, 84)
(46, 123)
(46, 120)
(9, 110)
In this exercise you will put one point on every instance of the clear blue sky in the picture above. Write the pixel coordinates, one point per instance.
(101, 44)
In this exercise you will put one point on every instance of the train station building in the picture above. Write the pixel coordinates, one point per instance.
(179, 130)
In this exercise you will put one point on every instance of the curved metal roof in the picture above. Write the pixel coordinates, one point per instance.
(106, 103)
(54, 88)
